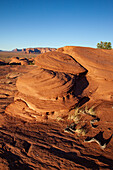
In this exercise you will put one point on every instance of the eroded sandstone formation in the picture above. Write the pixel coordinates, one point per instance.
(59, 82)
(52, 88)
(99, 63)
(85, 143)
(20, 61)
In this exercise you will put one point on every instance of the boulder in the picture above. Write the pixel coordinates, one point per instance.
(24, 62)
(15, 60)
(21, 61)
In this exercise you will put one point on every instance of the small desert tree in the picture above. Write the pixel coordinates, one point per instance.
(104, 45)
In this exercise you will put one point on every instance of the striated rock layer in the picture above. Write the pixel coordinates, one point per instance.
(58, 82)
(99, 63)
(85, 143)
(54, 86)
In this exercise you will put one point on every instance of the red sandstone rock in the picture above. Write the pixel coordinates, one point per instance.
(45, 145)
(24, 62)
(99, 63)
(50, 87)
(60, 82)
(15, 60)
(57, 61)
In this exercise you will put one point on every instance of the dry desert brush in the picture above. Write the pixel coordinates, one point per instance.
(78, 112)
(79, 126)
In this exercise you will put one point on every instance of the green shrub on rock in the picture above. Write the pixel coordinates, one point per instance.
(104, 45)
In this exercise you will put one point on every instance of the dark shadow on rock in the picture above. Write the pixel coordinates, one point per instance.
(2, 63)
(83, 101)
(103, 159)
(15, 64)
(35, 51)
(99, 138)
(72, 156)
(14, 161)
(81, 83)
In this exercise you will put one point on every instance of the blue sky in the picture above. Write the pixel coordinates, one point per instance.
(55, 23)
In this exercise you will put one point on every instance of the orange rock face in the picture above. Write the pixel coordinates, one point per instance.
(57, 61)
(80, 138)
(50, 87)
(14, 60)
(59, 82)
(17, 60)
(99, 63)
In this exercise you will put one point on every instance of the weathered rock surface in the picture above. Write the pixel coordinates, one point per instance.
(57, 61)
(59, 82)
(99, 63)
(15, 60)
(50, 87)
(26, 144)
(21, 61)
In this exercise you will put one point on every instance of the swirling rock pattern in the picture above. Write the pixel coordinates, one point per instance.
(99, 63)
(51, 86)
(58, 61)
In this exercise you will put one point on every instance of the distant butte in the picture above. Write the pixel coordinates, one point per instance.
(37, 50)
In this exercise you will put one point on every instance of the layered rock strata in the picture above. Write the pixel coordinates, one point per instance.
(53, 87)
(37, 50)
(99, 63)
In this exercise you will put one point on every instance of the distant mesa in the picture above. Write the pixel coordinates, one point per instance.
(35, 50)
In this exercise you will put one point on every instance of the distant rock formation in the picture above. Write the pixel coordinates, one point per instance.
(16, 50)
(38, 50)
(2, 62)
(21, 61)
(52, 88)
(35, 50)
